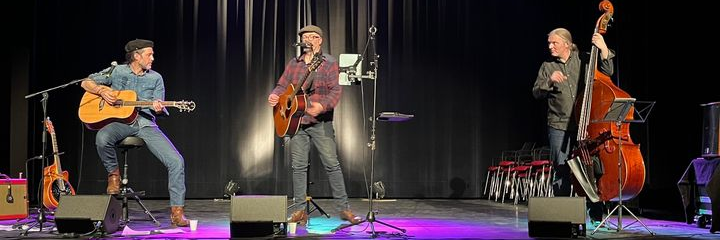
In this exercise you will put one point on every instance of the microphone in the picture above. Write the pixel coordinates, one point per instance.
(113, 64)
(300, 44)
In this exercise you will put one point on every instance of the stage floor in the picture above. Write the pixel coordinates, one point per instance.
(421, 218)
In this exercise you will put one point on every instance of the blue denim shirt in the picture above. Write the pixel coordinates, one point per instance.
(148, 87)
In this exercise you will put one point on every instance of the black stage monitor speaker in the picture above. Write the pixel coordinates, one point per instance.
(86, 213)
(711, 130)
(556, 217)
(258, 216)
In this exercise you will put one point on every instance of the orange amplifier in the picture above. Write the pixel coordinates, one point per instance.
(13, 198)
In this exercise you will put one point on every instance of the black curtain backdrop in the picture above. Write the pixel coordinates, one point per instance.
(465, 69)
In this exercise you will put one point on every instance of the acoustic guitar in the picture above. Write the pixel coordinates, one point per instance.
(55, 180)
(95, 112)
(291, 105)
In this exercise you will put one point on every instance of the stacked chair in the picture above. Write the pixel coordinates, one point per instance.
(508, 176)
(541, 173)
(520, 174)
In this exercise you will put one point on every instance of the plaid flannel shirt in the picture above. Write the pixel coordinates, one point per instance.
(325, 88)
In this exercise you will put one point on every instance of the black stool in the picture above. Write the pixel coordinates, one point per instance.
(125, 191)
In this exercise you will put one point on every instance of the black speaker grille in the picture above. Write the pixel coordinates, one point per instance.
(80, 213)
(711, 130)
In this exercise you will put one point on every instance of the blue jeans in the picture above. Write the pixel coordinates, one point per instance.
(322, 135)
(561, 143)
(156, 142)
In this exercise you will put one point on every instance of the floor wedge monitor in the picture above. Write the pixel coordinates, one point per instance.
(83, 214)
(556, 217)
(258, 216)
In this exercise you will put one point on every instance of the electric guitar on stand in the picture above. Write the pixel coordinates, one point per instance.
(291, 105)
(95, 112)
(55, 180)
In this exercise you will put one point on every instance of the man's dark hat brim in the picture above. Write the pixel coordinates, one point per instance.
(138, 44)
(311, 28)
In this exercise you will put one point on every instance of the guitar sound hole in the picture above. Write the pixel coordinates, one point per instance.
(56, 192)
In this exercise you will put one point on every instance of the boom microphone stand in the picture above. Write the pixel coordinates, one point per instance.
(41, 218)
(372, 75)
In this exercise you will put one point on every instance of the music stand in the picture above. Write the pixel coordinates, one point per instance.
(348, 76)
(617, 113)
(41, 218)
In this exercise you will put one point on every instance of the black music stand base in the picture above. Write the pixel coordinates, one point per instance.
(619, 226)
(625, 105)
(370, 218)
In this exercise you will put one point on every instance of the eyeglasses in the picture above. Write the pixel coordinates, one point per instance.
(310, 37)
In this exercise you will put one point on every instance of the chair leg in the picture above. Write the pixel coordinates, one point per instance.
(506, 185)
(499, 184)
(487, 177)
(492, 186)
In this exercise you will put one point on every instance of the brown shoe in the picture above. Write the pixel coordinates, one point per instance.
(347, 215)
(177, 217)
(299, 217)
(113, 186)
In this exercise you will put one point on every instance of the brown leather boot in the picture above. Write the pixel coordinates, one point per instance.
(113, 186)
(347, 215)
(177, 217)
(299, 217)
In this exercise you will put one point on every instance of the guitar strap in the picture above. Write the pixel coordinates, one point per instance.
(311, 77)
(309, 84)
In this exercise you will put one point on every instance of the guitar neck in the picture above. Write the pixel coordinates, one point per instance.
(302, 81)
(56, 152)
(148, 103)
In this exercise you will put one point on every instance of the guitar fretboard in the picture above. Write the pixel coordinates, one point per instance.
(148, 104)
(56, 152)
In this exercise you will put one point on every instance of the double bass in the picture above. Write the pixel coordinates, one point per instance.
(604, 142)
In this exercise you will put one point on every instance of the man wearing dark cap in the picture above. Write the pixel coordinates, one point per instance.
(316, 127)
(137, 76)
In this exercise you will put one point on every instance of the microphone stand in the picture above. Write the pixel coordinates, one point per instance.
(372, 75)
(41, 218)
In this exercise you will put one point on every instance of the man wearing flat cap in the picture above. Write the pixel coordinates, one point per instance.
(316, 127)
(136, 75)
